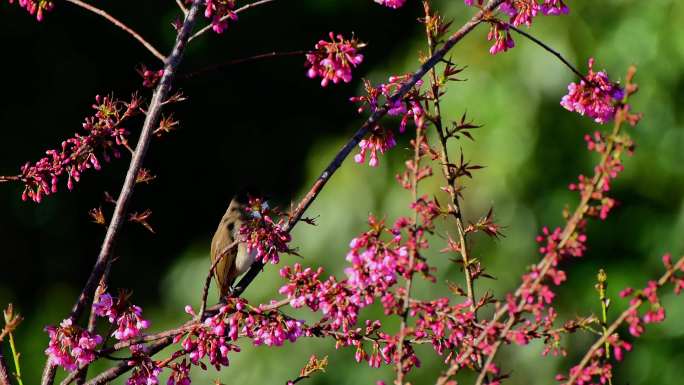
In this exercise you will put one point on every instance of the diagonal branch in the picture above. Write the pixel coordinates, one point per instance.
(118, 218)
(365, 128)
(121, 25)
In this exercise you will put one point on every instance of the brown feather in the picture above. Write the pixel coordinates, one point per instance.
(226, 233)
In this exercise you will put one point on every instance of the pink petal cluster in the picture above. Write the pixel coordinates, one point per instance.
(104, 137)
(524, 11)
(333, 60)
(35, 7)
(127, 317)
(408, 108)
(501, 35)
(379, 141)
(220, 11)
(145, 370)
(70, 346)
(211, 340)
(594, 96)
(264, 236)
(391, 3)
(150, 77)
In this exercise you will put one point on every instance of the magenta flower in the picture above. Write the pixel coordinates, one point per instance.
(35, 7)
(127, 317)
(594, 96)
(146, 371)
(70, 346)
(220, 11)
(500, 34)
(391, 3)
(265, 237)
(333, 60)
(104, 139)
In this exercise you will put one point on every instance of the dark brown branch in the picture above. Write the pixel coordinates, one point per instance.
(118, 218)
(121, 25)
(218, 66)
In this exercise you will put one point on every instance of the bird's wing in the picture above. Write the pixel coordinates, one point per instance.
(225, 269)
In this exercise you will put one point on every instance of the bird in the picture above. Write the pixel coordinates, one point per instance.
(235, 256)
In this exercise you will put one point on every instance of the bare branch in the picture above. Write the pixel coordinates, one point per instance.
(121, 25)
(224, 18)
(118, 218)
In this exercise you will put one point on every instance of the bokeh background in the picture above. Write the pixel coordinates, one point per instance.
(265, 124)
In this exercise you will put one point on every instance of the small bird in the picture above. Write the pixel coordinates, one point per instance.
(236, 260)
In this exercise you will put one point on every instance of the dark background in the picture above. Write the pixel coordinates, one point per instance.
(265, 125)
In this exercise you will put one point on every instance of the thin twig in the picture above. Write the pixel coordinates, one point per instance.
(121, 25)
(11, 178)
(118, 218)
(218, 66)
(92, 318)
(182, 7)
(210, 274)
(224, 18)
(412, 258)
(552, 51)
(613, 327)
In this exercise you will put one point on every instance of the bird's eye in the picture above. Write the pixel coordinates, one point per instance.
(231, 226)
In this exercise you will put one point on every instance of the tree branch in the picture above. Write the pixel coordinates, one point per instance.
(118, 218)
(224, 18)
(365, 128)
(121, 25)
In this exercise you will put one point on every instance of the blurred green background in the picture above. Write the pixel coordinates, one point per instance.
(265, 124)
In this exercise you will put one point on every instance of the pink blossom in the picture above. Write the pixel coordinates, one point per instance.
(145, 370)
(70, 346)
(35, 7)
(333, 60)
(264, 236)
(105, 137)
(220, 11)
(594, 96)
(502, 38)
(391, 3)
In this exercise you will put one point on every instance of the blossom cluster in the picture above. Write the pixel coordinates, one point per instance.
(104, 138)
(35, 7)
(125, 316)
(333, 60)
(594, 96)
(72, 347)
(408, 107)
(391, 3)
(264, 232)
(519, 12)
(212, 340)
(220, 12)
